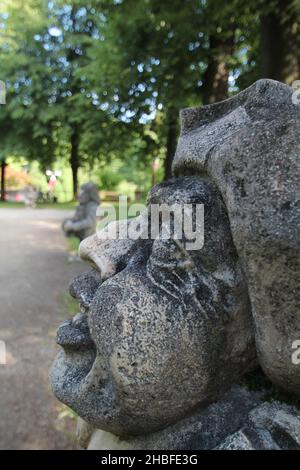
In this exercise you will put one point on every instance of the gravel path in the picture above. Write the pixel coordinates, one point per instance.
(34, 278)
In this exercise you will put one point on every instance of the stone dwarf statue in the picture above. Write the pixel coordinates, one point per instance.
(165, 332)
(83, 223)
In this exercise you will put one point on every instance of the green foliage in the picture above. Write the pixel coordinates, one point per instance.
(107, 78)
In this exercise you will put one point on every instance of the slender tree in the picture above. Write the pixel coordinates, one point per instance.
(279, 29)
(216, 76)
(3, 165)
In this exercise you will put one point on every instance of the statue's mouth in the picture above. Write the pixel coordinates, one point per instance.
(68, 373)
(74, 334)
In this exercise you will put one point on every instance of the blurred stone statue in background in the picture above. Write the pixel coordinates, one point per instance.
(30, 197)
(156, 356)
(83, 223)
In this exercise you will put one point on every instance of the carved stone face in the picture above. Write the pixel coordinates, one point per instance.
(162, 330)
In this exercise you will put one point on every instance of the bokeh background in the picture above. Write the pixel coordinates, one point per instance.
(94, 88)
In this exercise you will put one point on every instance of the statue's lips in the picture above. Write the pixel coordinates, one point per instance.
(74, 333)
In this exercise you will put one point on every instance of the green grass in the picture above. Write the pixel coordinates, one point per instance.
(59, 205)
(73, 244)
(66, 412)
(70, 304)
(11, 205)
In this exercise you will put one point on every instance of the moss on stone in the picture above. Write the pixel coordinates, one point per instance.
(256, 380)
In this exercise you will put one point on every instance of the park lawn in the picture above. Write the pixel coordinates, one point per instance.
(11, 205)
(20, 205)
(73, 244)
(58, 205)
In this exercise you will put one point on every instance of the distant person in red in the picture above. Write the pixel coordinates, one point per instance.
(52, 182)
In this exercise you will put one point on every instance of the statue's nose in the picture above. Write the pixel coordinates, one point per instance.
(107, 251)
(87, 248)
(97, 252)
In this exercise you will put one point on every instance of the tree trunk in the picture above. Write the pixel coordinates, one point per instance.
(74, 160)
(279, 32)
(215, 80)
(3, 166)
(172, 135)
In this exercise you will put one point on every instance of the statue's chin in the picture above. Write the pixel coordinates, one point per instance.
(68, 373)
(71, 379)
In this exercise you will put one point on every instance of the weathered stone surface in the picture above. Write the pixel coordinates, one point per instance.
(162, 331)
(237, 441)
(270, 426)
(205, 429)
(83, 223)
(249, 146)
